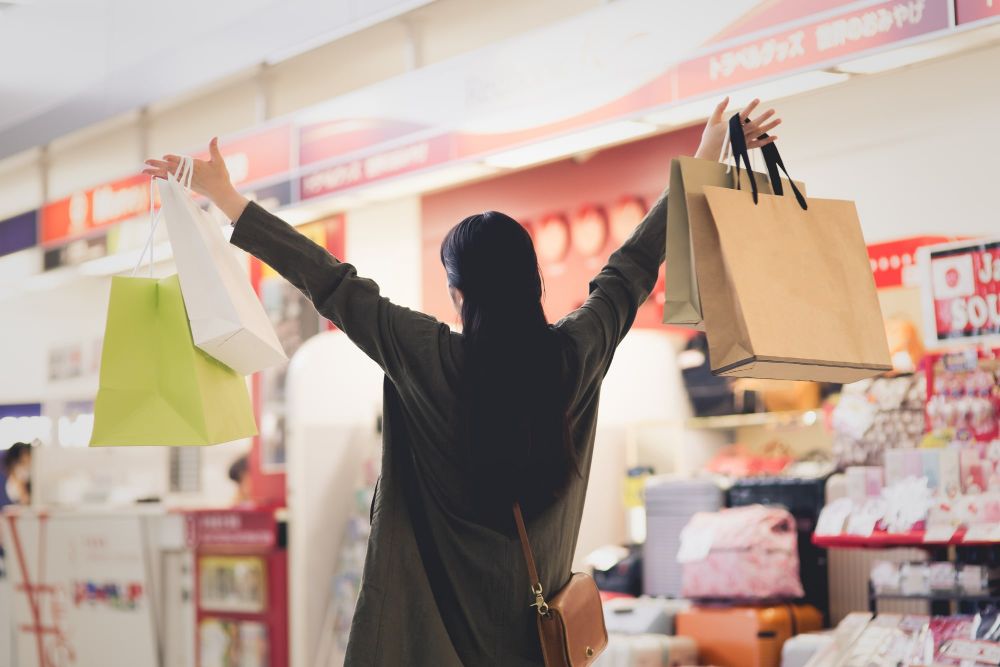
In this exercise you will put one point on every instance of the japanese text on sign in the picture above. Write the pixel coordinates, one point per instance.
(966, 291)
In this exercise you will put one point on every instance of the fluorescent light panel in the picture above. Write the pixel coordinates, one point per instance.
(571, 144)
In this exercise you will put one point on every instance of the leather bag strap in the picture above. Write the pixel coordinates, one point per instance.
(529, 557)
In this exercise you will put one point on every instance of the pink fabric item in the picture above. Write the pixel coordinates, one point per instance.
(753, 555)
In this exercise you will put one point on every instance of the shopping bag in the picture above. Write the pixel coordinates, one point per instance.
(227, 319)
(688, 178)
(156, 387)
(787, 289)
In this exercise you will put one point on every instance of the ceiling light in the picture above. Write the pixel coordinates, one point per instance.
(571, 144)
(428, 181)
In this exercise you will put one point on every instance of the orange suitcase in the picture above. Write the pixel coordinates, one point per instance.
(745, 636)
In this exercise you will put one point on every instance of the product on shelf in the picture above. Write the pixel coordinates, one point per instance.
(874, 416)
(965, 394)
(804, 498)
(670, 504)
(743, 553)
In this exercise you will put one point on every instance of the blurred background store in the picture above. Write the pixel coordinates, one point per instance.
(374, 126)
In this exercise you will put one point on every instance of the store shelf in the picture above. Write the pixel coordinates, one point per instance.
(774, 419)
(882, 540)
(938, 597)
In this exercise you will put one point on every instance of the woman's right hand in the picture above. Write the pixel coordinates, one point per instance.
(211, 178)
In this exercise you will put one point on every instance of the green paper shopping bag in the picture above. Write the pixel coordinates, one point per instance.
(156, 387)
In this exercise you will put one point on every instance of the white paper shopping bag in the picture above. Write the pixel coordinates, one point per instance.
(227, 319)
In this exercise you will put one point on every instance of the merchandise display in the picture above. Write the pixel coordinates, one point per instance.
(804, 498)
(746, 553)
(243, 420)
(670, 504)
(873, 416)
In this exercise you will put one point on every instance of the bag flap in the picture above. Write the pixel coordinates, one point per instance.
(578, 607)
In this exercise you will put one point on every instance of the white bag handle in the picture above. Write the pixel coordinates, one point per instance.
(184, 176)
(154, 220)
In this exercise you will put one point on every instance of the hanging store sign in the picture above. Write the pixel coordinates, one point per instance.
(962, 295)
(832, 38)
(392, 162)
(258, 156)
(894, 263)
(18, 233)
(87, 210)
(971, 11)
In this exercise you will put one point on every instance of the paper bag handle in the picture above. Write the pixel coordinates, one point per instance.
(154, 220)
(738, 143)
(773, 161)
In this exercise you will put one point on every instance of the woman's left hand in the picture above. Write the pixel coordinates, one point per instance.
(715, 130)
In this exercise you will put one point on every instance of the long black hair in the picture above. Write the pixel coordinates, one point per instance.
(514, 419)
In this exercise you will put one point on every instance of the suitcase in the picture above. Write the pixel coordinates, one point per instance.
(746, 636)
(642, 616)
(670, 504)
(805, 499)
(648, 651)
(798, 651)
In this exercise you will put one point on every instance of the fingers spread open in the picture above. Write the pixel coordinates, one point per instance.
(748, 110)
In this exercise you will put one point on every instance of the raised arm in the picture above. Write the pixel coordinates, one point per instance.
(406, 344)
(622, 286)
(403, 342)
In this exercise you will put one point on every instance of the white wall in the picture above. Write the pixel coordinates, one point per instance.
(915, 148)
(383, 243)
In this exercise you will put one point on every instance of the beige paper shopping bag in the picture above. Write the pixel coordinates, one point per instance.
(788, 293)
(686, 203)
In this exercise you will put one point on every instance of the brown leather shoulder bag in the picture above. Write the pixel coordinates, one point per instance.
(570, 624)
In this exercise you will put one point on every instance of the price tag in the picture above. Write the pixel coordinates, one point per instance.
(695, 545)
(939, 533)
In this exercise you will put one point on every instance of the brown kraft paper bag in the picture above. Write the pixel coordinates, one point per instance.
(688, 178)
(786, 286)
(793, 296)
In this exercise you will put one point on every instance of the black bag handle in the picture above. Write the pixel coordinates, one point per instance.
(772, 160)
(738, 143)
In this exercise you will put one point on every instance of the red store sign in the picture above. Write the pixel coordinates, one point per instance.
(809, 45)
(253, 157)
(92, 209)
(970, 11)
(965, 290)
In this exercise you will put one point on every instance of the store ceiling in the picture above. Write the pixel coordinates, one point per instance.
(67, 64)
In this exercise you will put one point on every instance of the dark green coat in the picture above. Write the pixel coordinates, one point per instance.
(439, 590)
